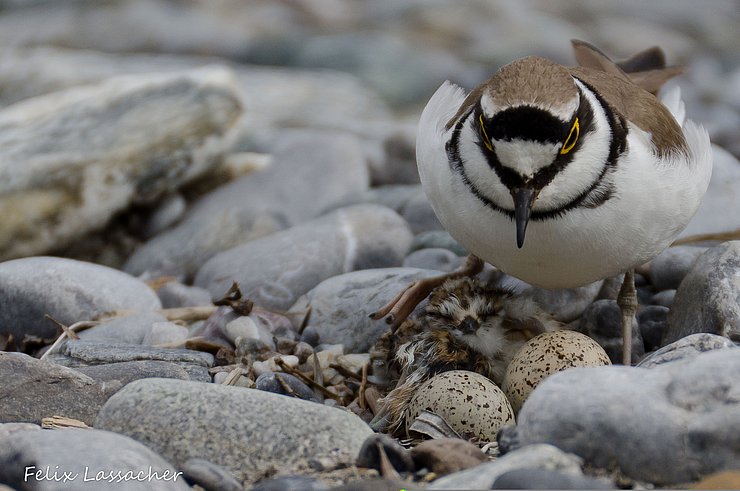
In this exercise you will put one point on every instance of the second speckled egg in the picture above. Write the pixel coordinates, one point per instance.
(544, 355)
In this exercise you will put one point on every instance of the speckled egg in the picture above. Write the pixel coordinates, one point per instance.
(470, 403)
(546, 354)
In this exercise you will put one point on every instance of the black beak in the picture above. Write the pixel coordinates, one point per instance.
(469, 325)
(523, 200)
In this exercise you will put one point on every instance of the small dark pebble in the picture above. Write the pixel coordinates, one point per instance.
(310, 335)
(645, 294)
(209, 476)
(547, 479)
(399, 457)
(268, 382)
(507, 439)
(653, 321)
(290, 483)
(640, 280)
(664, 298)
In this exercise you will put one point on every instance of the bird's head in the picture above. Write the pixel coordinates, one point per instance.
(471, 312)
(527, 124)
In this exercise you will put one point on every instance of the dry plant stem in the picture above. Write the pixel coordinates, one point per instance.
(66, 331)
(318, 375)
(187, 314)
(297, 373)
(397, 310)
(287, 388)
(719, 236)
(387, 470)
(55, 422)
(363, 387)
(345, 372)
(372, 395)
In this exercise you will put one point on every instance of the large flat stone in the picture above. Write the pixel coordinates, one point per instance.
(32, 390)
(308, 172)
(246, 431)
(688, 424)
(341, 306)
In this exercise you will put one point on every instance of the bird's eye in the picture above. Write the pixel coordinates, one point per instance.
(570, 142)
(484, 135)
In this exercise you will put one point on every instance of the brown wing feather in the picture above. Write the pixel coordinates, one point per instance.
(647, 69)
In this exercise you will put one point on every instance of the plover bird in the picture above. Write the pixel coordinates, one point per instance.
(465, 326)
(561, 176)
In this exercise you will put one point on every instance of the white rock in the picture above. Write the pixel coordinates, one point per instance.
(91, 151)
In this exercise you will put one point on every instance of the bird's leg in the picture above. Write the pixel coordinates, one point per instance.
(398, 309)
(627, 301)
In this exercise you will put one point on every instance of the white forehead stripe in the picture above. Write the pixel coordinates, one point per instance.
(487, 105)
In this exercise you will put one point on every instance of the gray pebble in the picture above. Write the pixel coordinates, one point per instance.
(269, 383)
(165, 333)
(129, 329)
(168, 212)
(310, 335)
(664, 298)
(419, 214)
(175, 294)
(437, 239)
(669, 267)
(707, 300)
(653, 321)
(565, 305)
(69, 290)
(209, 476)
(436, 259)
(249, 328)
(33, 389)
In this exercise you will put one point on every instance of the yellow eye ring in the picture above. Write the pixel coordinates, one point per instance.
(568, 145)
(486, 139)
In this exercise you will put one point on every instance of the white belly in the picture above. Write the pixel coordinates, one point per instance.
(649, 209)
